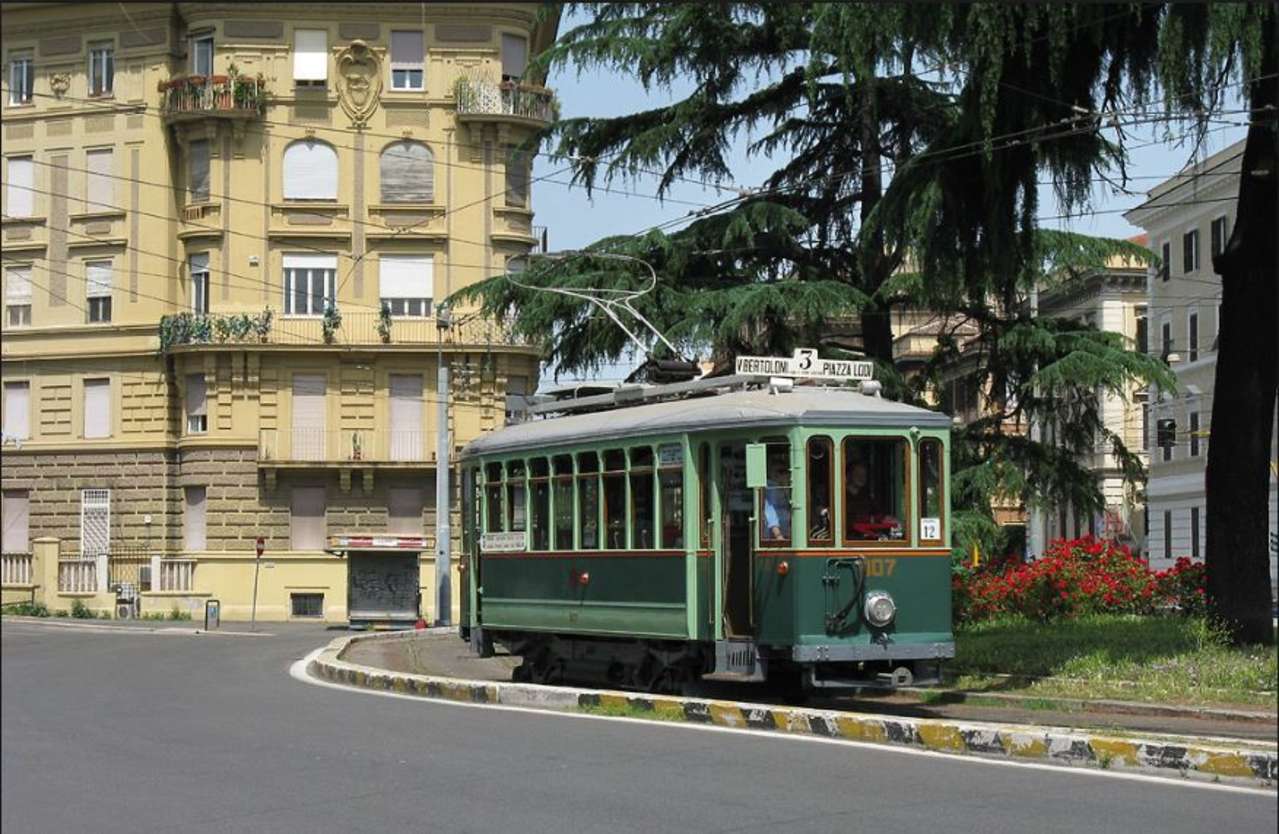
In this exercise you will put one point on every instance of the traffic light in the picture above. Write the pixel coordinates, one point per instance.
(1166, 433)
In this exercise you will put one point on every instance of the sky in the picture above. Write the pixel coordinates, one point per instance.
(575, 220)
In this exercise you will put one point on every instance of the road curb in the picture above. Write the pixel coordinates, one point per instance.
(1022, 743)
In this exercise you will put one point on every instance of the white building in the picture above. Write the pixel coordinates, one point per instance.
(1188, 219)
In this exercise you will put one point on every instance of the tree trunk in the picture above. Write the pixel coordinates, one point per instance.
(1237, 481)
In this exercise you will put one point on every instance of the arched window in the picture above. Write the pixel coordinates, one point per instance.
(408, 173)
(310, 171)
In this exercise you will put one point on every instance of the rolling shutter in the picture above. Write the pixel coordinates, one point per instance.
(406, 50)
(306, 518)
(15, 537)
(198, 171)
(196, 533)
(310, 171)
(100, 186)
(97, 408)
(19, 194)
(310, 55)
(517, 177)
(308, 417)
(97, 276)
(514, 55)
(18, 285)
(408, 173)
(406, 276)
(404, 511)
(17, 410)
(406, 417)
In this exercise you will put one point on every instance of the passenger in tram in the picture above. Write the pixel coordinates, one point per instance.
(777, 503)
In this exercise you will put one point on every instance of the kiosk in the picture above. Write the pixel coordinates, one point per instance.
(383, 587)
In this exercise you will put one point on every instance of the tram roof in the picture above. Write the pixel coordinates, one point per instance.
(736, 410)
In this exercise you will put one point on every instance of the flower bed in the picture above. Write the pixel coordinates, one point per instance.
(1074, 578)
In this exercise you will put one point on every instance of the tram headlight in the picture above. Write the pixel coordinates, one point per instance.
(879, 608)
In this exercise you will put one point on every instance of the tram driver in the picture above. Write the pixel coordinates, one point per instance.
(777, 504)
(866, 518)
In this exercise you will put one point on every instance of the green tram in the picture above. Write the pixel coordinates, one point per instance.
(723, 529)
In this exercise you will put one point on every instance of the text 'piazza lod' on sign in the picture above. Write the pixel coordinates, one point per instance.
(805, 364)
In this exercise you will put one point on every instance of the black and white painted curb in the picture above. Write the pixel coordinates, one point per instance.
(1212, 760)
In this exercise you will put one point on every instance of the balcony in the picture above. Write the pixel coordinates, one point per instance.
(348, 330)
(479, 99)
(219, 96)
(398, 448)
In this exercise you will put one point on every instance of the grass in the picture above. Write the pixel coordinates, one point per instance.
(1169, 660)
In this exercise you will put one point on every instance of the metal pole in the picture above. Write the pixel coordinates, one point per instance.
(257, 566)
(443, 598)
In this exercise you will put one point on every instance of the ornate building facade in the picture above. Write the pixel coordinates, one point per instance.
(227, 232)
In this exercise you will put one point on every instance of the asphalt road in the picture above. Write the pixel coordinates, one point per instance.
(132, 732)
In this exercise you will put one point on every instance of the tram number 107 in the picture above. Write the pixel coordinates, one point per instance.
(880, 567)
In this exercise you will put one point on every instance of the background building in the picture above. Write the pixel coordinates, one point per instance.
(1189, 219)
(226, 234)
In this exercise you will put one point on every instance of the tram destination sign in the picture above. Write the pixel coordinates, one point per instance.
(805, 364)
(512, 542)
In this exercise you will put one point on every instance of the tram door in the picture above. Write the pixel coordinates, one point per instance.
(737, 506)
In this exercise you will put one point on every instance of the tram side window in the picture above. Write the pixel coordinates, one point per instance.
(588, 501)
(930, 490)
(562, 501)
(821, 481)
(874, 489)
(704, 488)
(642, 498)
(614, 499)
(775, 524)
(540, 486)
(515, 495)
(493, 498)
(670, 482)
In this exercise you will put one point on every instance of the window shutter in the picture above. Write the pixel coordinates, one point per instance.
(406, 417)
(406, 276)
(408, 173)
(198, 170)
(18, 285)
(19, 195)
(306, 518)
(514, 55)
(97, 276)
(197, 397)
(404, 511)
(310, 171)
(100, 186)
(196, 532)
(308, 416)
(310, 55)
(17, 519)
(17, 410)
(406, 50)
(97, 408)
(516, 178)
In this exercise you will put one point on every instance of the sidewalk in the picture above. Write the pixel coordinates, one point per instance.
(1160, 747)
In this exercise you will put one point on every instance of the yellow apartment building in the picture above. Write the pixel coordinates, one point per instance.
(227, 229)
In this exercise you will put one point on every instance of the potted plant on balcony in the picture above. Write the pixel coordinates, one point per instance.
(384, 323)
(330, 323)
(262, 324)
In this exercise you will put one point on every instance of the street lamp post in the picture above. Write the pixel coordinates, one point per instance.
(443, 600)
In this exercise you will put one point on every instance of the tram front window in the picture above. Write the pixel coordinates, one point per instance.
(874, 489)
(821, 529)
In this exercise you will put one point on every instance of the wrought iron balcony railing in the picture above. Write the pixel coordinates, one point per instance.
(198, 96)
(481, 97)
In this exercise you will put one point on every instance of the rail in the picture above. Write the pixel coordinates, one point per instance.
(15, 568)
(482, 97)
(213, 95)
(294, 445)
(355, 329)
(78, 575)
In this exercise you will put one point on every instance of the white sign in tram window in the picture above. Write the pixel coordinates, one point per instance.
(670, 454)
(930, 528)
(512, 542)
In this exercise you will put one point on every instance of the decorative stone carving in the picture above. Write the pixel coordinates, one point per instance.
(359, 82)
(60, 82)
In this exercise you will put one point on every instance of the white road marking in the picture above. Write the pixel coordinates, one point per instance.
(298, 670)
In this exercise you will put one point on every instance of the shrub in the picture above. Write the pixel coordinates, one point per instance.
(177, 613)
(27, 609)
(81, 611)
(1074, 578)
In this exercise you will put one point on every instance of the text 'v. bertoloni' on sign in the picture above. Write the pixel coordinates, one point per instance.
(805, 364)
